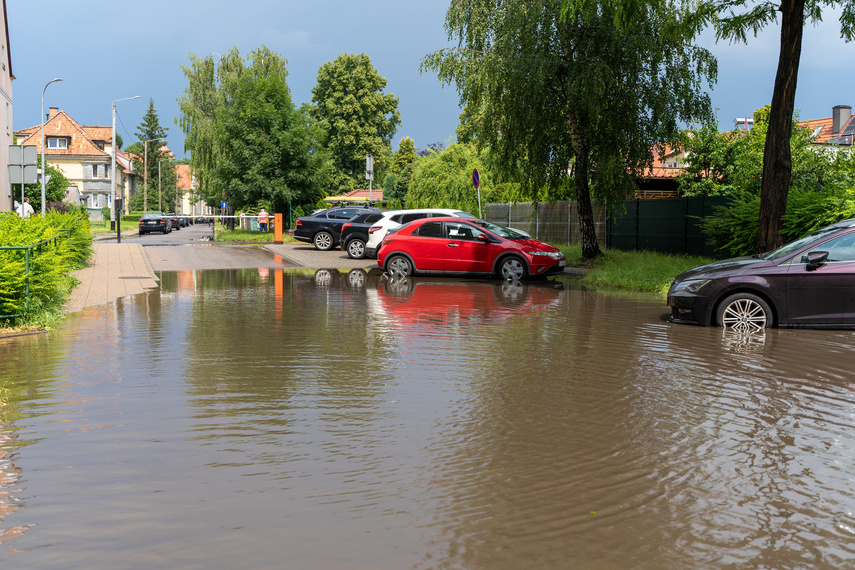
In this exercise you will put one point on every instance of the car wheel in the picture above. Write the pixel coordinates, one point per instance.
(323, 241)
(745, 312)
(356, 248)
(512, 268)
(399, 266)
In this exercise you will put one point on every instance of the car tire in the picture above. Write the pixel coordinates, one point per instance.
(511, 268)
(323, 241)
(745, 312)
(356, 248)
(399, 266)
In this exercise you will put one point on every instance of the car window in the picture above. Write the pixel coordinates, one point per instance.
(457, 230)
(839, 249)
(412, 216)
(793, 246)
(501, 231)
(429, 229)
(371, 218)
(341, 214)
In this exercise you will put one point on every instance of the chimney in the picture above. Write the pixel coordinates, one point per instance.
(839, 117)
(52, 111)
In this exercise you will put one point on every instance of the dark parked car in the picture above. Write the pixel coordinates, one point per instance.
(809, 282)
(323, 228)
(176, 222)
(463, 246)
(354, 233)
(154, 222)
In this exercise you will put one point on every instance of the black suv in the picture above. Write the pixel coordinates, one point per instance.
(354, 233)
(323, 228)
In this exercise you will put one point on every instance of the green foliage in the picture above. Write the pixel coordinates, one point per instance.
(154, 162)
(444, 180)
(357, 118)
(640, 270)
(404, 156)
(552, 90)
(55, 187)
(247, 139)
(50, 281)
(822, 187)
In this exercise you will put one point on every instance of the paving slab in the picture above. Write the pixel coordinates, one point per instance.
(115, 271)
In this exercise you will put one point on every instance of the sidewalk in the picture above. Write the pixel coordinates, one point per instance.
(117, 270)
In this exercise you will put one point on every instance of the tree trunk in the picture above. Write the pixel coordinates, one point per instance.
(777, 163)
(590, 246)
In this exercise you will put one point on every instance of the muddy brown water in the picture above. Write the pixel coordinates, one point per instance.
(296, 419)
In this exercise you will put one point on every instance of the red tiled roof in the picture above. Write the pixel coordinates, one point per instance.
(62, 125)
(185, 176)
(825, 131)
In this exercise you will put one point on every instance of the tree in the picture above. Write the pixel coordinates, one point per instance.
(405, 155)
(777, 160)
(248, 141)
(55, 187)
(357, 118)
(578, 89)
(149, 153)
(444, 180)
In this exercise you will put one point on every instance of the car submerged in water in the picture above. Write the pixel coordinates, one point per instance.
(809, 282)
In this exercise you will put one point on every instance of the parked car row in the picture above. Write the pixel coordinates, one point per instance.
(430, 240)
(166, 222)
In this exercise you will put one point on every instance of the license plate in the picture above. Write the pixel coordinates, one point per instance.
(562, 263)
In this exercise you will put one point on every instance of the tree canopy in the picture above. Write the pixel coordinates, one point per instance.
(734, 20)
(357, 118)
(577, 90)
(248, 141)
(150, 153)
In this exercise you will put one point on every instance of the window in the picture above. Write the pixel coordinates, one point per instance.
(459, 231)
(57, 142)
(430, 229)
(839, 249)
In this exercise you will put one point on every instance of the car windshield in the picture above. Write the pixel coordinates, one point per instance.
(796, 245)
(501, 231)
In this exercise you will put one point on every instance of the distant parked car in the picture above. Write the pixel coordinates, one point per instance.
(354, 233)
(805, 283)
(323, 228)
(154, 222)
(396, 218)
(466, 246)
(176, 223)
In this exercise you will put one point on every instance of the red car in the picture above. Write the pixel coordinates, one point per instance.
(466, 246)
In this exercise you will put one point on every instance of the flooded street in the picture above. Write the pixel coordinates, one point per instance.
(281, 418)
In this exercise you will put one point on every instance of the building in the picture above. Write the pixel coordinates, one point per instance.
(836, 130)
(83, 154)
(191, 204)
(6, 77)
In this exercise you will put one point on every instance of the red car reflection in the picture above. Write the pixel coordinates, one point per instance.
(466, 246)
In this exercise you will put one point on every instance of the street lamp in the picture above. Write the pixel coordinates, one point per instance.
(113, 214)
(159, 194)
(44, 166)
(145, 191)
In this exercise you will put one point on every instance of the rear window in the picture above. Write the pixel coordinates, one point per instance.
(430, 229)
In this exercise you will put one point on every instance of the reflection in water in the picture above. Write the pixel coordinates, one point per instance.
(352, 420)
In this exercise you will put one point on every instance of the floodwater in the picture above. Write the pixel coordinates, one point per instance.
(291, 419)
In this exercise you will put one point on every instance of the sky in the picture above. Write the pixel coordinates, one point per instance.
(106, 51)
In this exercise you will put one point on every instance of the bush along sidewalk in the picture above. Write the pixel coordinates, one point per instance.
(56, 244)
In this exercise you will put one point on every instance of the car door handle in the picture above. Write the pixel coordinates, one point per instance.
(451, 245)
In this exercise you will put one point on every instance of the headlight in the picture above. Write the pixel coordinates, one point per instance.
(555, 254)
(691, 286)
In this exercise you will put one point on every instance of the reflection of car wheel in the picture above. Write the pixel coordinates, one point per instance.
(323, 277)
(356, 248)
(745, 312)
(399, 266)
(512, 268)
(356, 278)
(323, 241)
(511, 292)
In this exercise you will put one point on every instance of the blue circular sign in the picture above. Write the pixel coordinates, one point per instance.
(476, 178)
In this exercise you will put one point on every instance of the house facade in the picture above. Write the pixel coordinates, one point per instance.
(83, 154)
(6, 77)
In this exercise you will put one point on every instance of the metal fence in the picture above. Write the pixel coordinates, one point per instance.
(668, 225)
(27, 251)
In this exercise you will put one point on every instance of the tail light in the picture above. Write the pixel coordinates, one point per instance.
(373, 229)
(299, 223)
(345, 226)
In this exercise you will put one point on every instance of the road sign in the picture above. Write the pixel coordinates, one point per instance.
(476, 178)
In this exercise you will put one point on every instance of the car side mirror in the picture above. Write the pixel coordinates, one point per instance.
(483, 237)
(815, 259)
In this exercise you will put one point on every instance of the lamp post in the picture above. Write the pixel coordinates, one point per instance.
(44, 166)
(145, 188)
(113, 214)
